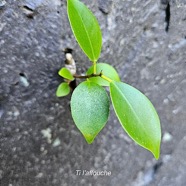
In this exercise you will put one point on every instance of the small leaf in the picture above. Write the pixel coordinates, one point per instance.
(85, 28)
(63, 90)
(107, 70)
(137, 116)
(64, 72)
(90, 109)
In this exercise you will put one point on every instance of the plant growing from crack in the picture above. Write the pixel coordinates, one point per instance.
(90, 102)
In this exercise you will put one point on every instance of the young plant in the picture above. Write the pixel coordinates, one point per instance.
(90, 102)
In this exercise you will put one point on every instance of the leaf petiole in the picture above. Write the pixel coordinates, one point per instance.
(106, 78)
(94, 66)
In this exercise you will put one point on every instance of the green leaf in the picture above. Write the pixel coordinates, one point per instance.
(63, 90)
(107, 70)
(85, 28)
(137, 116)
(64, 72)
(90, 109)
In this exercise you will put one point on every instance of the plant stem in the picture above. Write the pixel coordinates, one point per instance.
(93, 75)
(87, 76)
(106, 78)
(94, 66)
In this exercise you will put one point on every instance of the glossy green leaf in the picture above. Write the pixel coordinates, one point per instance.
(107, 70)
(90, 109)
(64, 72)
(85, 28)
(137, 116)
(63, 90)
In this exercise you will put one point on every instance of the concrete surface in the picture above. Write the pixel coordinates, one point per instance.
(39, 144)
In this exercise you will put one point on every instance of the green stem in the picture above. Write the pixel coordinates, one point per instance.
(106, 78)
(94, 66)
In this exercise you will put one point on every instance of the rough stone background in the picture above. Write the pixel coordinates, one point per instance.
(145, 40)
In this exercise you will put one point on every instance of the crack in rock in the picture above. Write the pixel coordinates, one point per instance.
(167, 17)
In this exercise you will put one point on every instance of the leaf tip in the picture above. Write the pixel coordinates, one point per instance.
(89, 138)
(156, 152)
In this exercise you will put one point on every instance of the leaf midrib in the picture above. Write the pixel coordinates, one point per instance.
(143, 145)
(85, 31)
(129, 105)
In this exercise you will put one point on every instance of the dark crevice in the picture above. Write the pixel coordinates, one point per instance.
(73, 85)
(22, 74)
(157, 166)
(28, 8)
(154, 171)
(68, 50)
(105, 6)
(167, 17)
(28, 11)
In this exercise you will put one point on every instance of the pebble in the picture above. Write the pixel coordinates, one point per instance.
(23, 80)
(56, 142)
(47, 134)
(167, 137)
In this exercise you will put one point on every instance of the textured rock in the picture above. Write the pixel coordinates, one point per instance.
(33, 120)
(172, 173)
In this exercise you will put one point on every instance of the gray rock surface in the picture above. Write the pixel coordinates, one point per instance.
(39, 143)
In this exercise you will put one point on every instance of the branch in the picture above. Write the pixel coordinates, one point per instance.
(87, 76)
